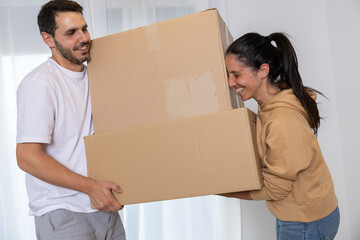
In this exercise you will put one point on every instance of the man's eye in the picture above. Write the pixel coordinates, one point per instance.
(70, 33)
(85, 30)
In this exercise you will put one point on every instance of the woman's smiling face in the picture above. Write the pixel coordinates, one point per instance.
(245, 80)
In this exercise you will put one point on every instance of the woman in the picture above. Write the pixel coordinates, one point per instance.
(298, 188)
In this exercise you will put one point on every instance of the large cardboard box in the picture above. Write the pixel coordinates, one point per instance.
(164, 71)
(209, 154)
(163, 122)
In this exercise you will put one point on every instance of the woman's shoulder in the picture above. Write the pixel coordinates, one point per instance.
(286, 117)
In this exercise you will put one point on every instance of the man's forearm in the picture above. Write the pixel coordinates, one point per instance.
(33, 160)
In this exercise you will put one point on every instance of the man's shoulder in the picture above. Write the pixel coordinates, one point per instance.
(43, 72)
(41, 76)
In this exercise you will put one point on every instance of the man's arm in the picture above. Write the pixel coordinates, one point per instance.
(32, 159)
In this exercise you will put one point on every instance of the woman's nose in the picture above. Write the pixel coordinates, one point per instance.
(231, 82)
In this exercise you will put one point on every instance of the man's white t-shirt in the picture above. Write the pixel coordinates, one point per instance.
(53, 106)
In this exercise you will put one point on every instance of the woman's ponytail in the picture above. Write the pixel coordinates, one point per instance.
(290, 74)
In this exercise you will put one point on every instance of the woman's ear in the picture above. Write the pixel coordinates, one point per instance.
(264, 70)
(48, 39)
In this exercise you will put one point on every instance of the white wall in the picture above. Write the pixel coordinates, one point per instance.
(344, 36)
(326, 36)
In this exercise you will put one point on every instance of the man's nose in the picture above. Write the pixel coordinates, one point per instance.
(84, 36)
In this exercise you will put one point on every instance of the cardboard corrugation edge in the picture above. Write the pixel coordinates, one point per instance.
(222, 49)
(225, 39)
(89, 169)
(251, 118)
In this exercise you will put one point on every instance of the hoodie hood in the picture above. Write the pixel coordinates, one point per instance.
(285, 99)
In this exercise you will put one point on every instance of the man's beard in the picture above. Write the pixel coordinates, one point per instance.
(67, 53)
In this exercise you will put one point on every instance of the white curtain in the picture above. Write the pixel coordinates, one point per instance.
(21, 50)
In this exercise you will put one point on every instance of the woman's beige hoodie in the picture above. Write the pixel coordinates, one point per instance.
(297, 182)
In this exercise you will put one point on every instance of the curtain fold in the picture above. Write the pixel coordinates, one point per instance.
(201, 218)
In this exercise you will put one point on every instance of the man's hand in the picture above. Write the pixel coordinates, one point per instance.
(102, 198)
(33, 160)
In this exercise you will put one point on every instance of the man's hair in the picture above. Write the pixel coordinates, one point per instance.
(46, 16)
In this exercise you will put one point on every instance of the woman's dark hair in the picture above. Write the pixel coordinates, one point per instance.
(46, 16)
(253, 50)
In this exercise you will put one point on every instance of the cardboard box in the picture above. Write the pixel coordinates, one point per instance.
(152, 90)
(165, 71)
(209, 154)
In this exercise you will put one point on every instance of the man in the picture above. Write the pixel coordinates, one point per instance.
(54, 114)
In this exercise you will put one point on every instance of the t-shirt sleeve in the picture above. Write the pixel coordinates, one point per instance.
(289, 151)
(35, 111)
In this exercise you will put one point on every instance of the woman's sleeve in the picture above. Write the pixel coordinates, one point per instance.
(288, 152)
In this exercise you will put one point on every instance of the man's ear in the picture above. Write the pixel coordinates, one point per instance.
(264, 70)
(48, 39)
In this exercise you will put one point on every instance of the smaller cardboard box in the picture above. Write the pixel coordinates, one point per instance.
(203, 155)
(164, 71)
